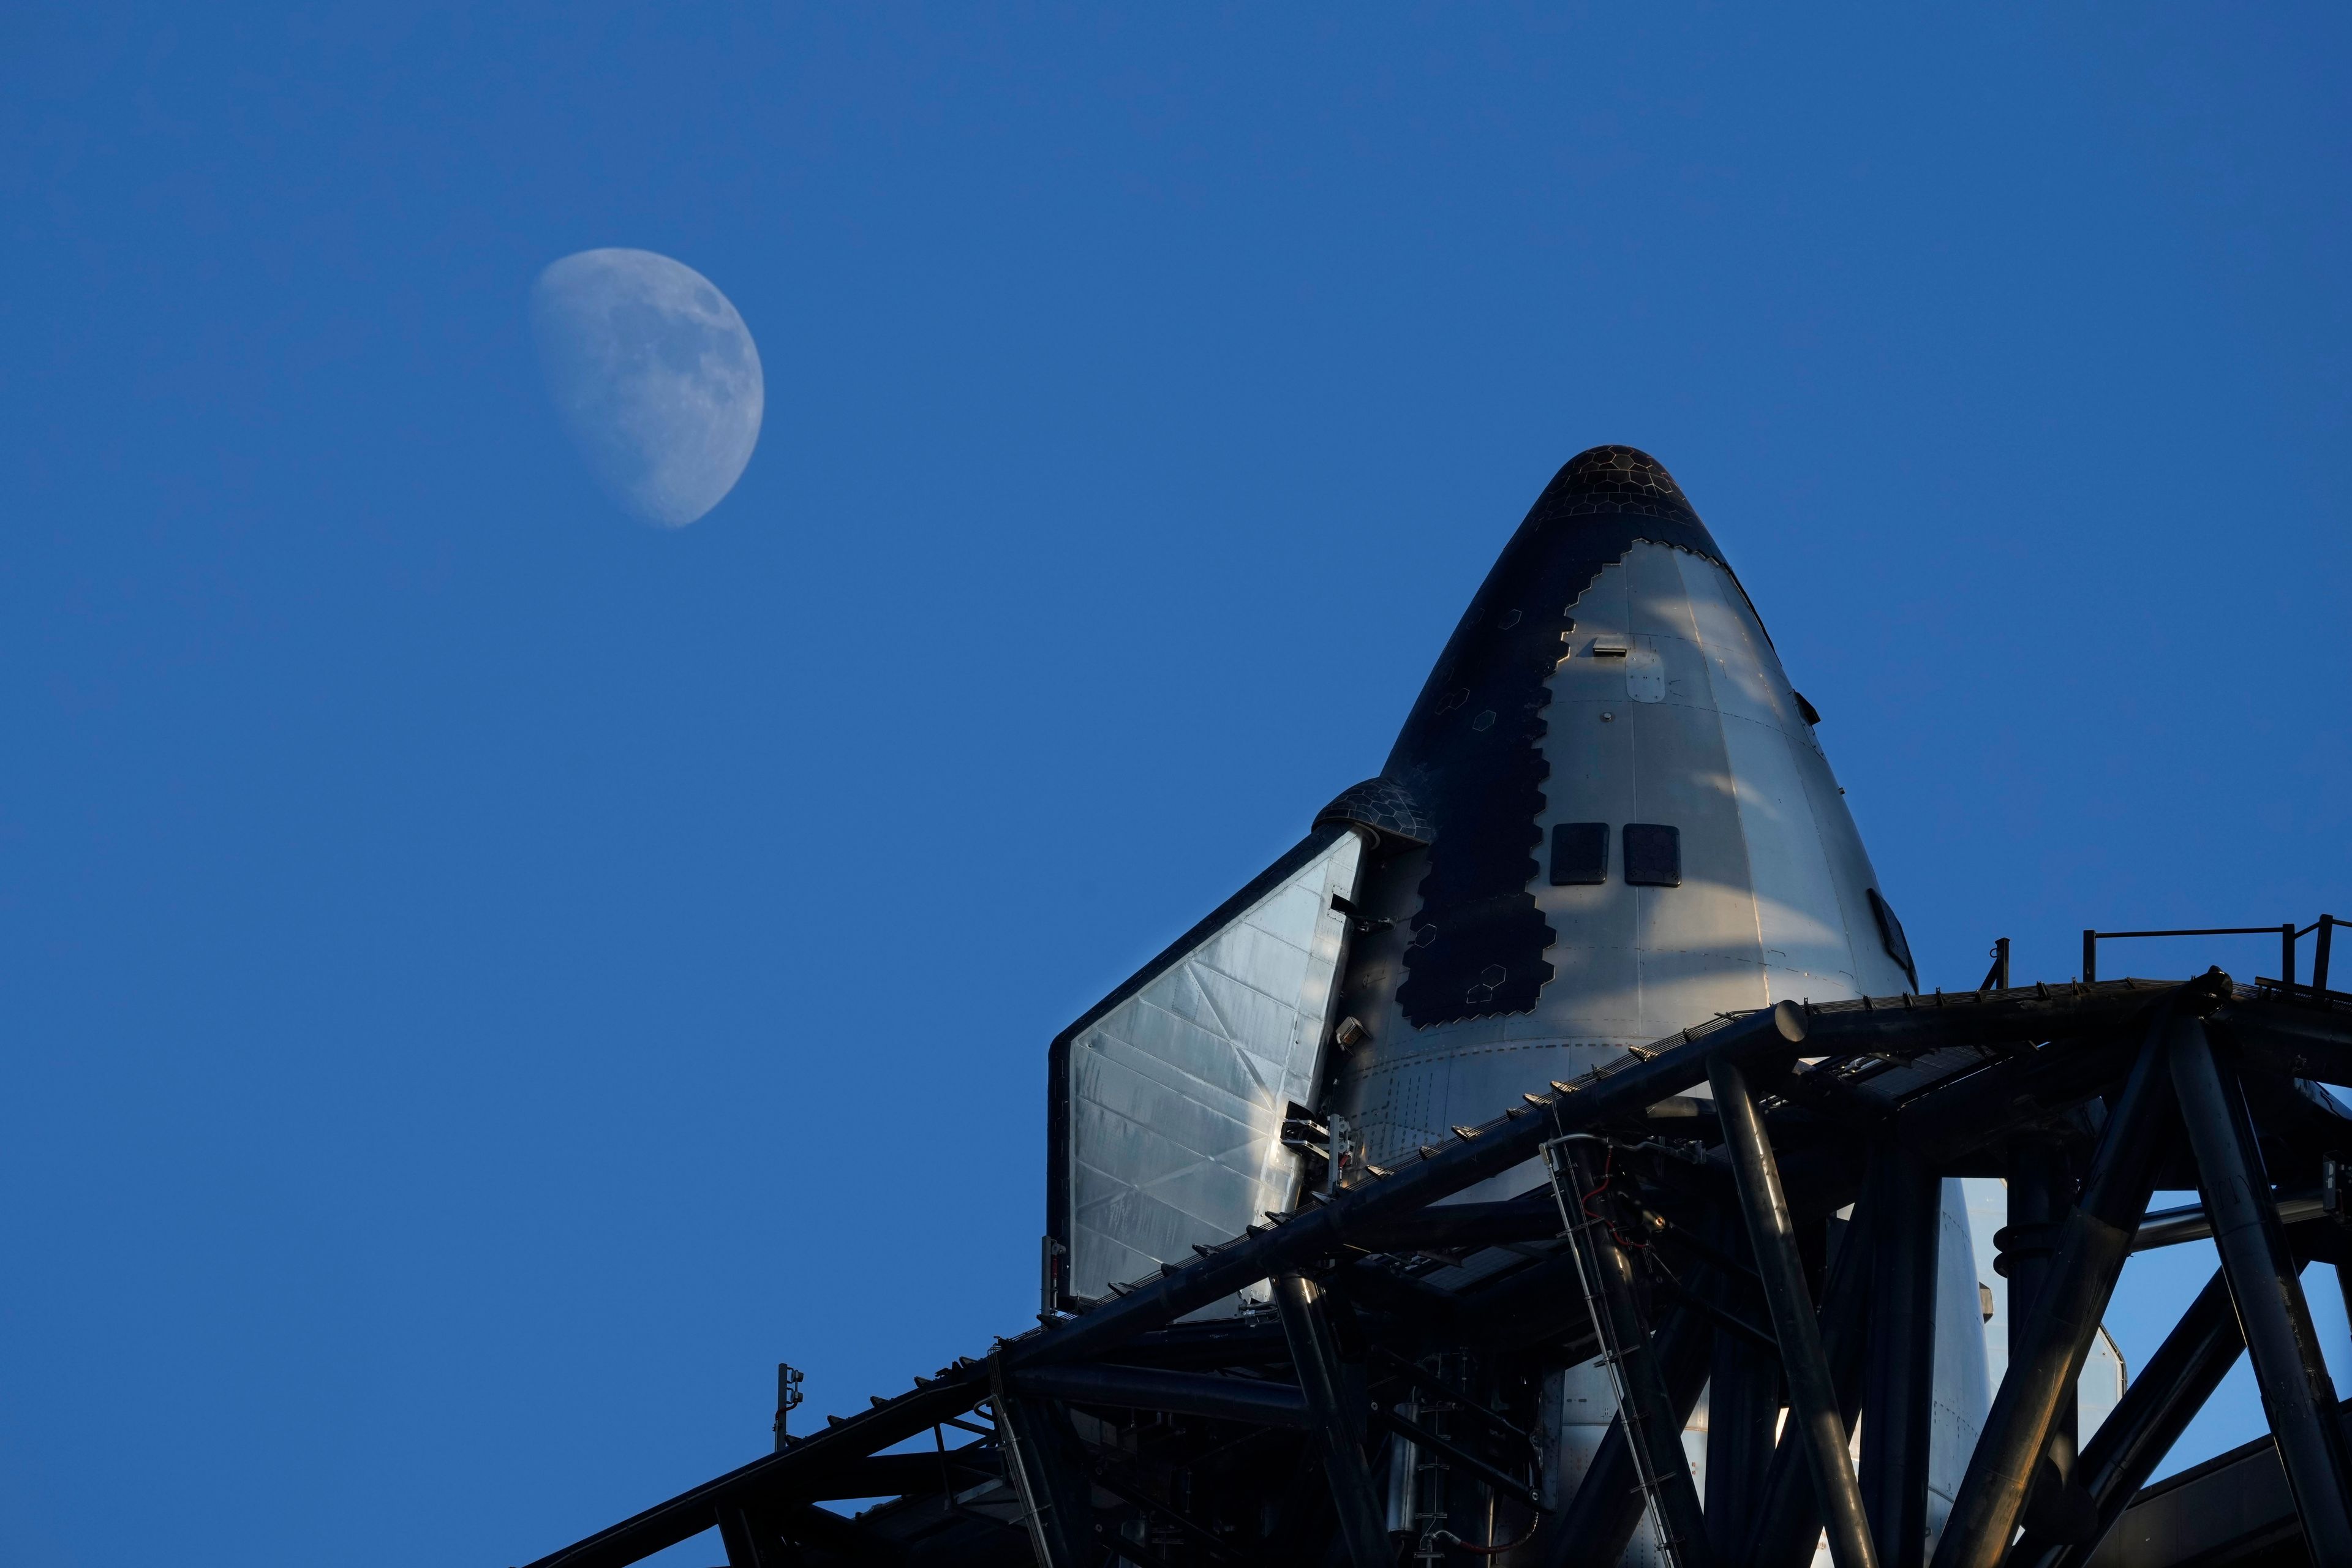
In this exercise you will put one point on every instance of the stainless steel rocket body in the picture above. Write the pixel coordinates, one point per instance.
(1667, 708)
(1607, 818)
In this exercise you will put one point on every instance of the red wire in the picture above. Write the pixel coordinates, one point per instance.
(1461, 1545)
(1608, 1164)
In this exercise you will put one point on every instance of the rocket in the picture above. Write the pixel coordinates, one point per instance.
(1608, 817)
(1631, 825)
(1554, 1139)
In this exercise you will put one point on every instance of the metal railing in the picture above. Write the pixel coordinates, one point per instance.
(2287, 931)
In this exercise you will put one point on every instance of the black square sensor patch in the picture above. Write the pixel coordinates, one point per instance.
(1654, 854)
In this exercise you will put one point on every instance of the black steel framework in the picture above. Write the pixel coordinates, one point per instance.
(1381, 1405)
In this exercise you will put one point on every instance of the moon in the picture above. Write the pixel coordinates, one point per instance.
(655, 377)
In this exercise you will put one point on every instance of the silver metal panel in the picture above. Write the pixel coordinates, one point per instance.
(1577, 1405)
(1806, 867)
(2101, 1387)
(1963, 1388)
(1963, 1394)
(1177, 1094)
(1646, 672)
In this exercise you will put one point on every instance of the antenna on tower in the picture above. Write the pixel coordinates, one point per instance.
(788, 1399)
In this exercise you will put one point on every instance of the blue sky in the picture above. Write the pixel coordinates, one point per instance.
(483, 980)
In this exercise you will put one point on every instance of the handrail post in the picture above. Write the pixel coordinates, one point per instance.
(2319, 957)
(2286, 957)
(2090, 956)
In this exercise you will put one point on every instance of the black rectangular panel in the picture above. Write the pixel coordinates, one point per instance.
(1580, 853)
(1890, 934)
(1654, 854)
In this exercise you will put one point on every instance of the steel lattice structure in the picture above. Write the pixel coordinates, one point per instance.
(1696, 1241)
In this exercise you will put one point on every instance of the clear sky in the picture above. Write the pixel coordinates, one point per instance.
(482, 980)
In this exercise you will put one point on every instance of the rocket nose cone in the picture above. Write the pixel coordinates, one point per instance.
(1617, 479)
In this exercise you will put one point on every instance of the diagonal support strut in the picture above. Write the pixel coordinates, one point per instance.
(1812, 1393)
(2297, 1393)
(2092, 1246)
(1361, 1523)
(2141, 1429)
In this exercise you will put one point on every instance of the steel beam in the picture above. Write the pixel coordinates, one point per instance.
(1493, 1476)
(1362, 1522)
(1250, 1399)
(845, 1538)
(1623, 1330)
(2297, 1393)
(1526, 1307)
(1656, 1072)
(1211, 1342)
(1463, 1225)
(750, 1541)
(1668, 1067)
(1785, 1534)
(1645, 1078)
(2035, 1187)
(1812, 1395)
(1429, 1382)
(2143, 1426)
(1056, 1495)
(898, 1475)
(2297, 1039)
(2170, 1227)
(2039, 1200)
(1130, 1489)
(1964, 1115)
(1722, 1317)
(1743, 1409)
(1899, 1375)
(1607, 1508)
(771, 1475)
(2092, 1246)
(1903, 1024)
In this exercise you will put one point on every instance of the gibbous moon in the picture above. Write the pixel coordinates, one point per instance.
(655, 377)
